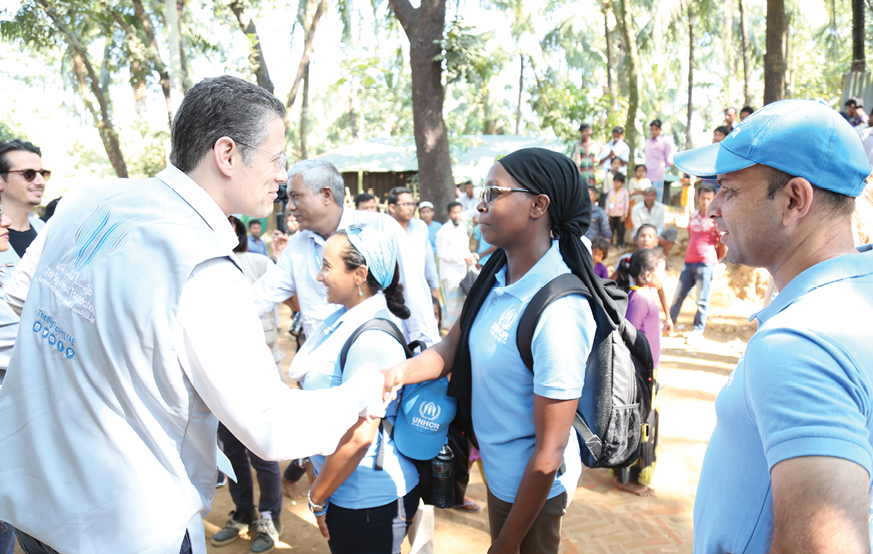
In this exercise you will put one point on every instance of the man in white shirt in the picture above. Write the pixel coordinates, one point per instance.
(468, 200)
(138, 325)
(315, 196)
(654, 213)
(453, 250)
(402, 208)
(616, 148)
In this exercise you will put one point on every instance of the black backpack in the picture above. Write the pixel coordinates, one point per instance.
(457, 440)
(617, 394)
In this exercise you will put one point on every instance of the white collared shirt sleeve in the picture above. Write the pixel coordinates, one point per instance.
(421, 324)
(220, 344)
(276, 285)
(430, 269)
(18, 285)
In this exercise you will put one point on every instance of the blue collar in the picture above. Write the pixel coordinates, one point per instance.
(542, 272)
(823, 273)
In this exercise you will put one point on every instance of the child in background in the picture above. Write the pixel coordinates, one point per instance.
(617, 202)
(647, 239)
(641, 276)
(599, 250)
(636, 186)
(608, 180)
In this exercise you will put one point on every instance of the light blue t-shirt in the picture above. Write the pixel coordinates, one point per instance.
(366, 487)
(804, 387)
(432, 229)
(504, 388)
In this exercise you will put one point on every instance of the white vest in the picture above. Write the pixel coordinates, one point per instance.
(97, 414)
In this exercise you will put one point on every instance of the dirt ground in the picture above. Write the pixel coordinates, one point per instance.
(601, 518)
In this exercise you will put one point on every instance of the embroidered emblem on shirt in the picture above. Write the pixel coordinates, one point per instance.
(96, 238)
(499, 328)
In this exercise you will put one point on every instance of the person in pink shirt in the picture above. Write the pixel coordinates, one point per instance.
(617, 203)
(704, 252)
(659, 156)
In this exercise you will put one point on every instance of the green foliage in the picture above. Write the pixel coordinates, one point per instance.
(146, 149)
(469, 57)
(8, 133)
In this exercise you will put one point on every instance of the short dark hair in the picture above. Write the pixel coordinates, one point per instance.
(655, 123)
(15, 146)
(223, 106)
(723, 129)
(835, 205)
(241, 235)
(601, 244)
(730, 109)
(639, 166)
(747, 109)
(452, 205)
(584, 126)
(705, 187)
(254, 222)
(855, 102)
(363, 197)
(467, 182)
(619, 177)
(394, 194)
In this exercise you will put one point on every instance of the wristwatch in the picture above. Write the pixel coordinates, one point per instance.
(313, 507)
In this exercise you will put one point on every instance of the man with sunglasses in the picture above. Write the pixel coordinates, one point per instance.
(22, 184)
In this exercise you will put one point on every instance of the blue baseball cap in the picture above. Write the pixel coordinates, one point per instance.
(804, 138)
(423, 419)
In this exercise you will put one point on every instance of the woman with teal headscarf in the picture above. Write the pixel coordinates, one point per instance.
(359, 508)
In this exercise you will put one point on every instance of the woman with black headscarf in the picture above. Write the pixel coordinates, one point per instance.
(535, 209)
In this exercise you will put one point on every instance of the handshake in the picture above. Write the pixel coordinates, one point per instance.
(374, 389)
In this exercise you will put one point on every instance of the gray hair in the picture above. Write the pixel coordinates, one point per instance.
(651, 189)
(317, 175)
(222, 107)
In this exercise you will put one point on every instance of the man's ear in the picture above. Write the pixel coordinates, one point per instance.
(326, 195)
(797, 195)
(223, 155)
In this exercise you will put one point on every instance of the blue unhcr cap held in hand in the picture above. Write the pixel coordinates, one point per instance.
(804, 138)
(423, 419)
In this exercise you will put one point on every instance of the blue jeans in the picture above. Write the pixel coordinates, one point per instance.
(33, 546)
(379, 530)
(7, 538)
(699, 274)
(242, 492)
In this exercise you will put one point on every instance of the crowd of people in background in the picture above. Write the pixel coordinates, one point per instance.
(141, 380)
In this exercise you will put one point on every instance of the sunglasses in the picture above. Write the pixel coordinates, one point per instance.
(488, 192)
(30, 174)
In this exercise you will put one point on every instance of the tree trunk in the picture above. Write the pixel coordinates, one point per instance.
(256, 54)
(174, 38)
(727, 31)
(606, 6)
(304, 115)
(747, 56)
(185, 81)
(87, 79)
(353, 121)
(155, 55)
(307, 50)
(625, 24)
(424, 28)
(139, 86)
(690, 108)
(774, 59)
(859, 58)
(520, 90)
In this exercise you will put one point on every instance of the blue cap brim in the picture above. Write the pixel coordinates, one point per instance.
(709, 161)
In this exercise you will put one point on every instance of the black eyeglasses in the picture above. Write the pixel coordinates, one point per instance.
(488, 192)
(30, 174)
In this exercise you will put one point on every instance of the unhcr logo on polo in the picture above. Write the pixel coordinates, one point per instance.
(428, 412)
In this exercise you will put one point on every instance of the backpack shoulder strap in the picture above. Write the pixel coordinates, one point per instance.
(377, 324)
(559, 287)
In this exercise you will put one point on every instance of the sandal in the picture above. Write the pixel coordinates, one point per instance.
(468, 506)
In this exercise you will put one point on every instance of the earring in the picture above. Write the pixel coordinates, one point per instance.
(359, 291)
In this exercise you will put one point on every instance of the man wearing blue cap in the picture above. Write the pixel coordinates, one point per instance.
(789, 464)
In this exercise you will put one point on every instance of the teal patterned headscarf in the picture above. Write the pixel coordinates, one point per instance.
(378, 248)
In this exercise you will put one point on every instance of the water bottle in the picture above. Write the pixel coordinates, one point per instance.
(444, 478)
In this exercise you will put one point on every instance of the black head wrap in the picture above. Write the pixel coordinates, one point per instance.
(555, 175)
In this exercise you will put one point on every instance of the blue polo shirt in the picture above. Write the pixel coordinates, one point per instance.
(804, 387)
(256, 245)
(504, 388)
(432, 229)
